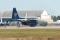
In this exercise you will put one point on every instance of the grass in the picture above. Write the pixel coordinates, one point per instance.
(29, 32)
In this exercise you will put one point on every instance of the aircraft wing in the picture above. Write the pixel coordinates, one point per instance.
(20, 19)
(10, 19)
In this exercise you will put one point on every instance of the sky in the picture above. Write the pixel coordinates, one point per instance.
(51, 6)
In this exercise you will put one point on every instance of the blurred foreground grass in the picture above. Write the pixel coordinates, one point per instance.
(29, 32)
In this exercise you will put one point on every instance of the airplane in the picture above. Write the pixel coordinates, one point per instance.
(29, 21)
(15, 17)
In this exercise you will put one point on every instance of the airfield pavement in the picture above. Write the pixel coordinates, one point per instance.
(39, 34)
(28, 27)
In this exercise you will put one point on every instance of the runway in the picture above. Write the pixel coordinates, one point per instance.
(27, 27)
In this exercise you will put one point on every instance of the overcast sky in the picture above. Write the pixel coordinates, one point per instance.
(52, 6)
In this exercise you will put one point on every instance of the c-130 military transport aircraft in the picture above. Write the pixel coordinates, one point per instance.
(24, 21)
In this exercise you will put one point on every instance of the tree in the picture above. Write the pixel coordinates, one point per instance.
(58, 18)
(54, 18)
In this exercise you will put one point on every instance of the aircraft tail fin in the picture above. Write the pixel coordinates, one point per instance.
(15, 14)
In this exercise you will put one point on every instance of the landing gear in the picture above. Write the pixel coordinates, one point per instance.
(19, 24)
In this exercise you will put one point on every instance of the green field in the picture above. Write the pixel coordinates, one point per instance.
(29, 32)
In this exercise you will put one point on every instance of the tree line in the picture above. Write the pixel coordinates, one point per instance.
(55, 18)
